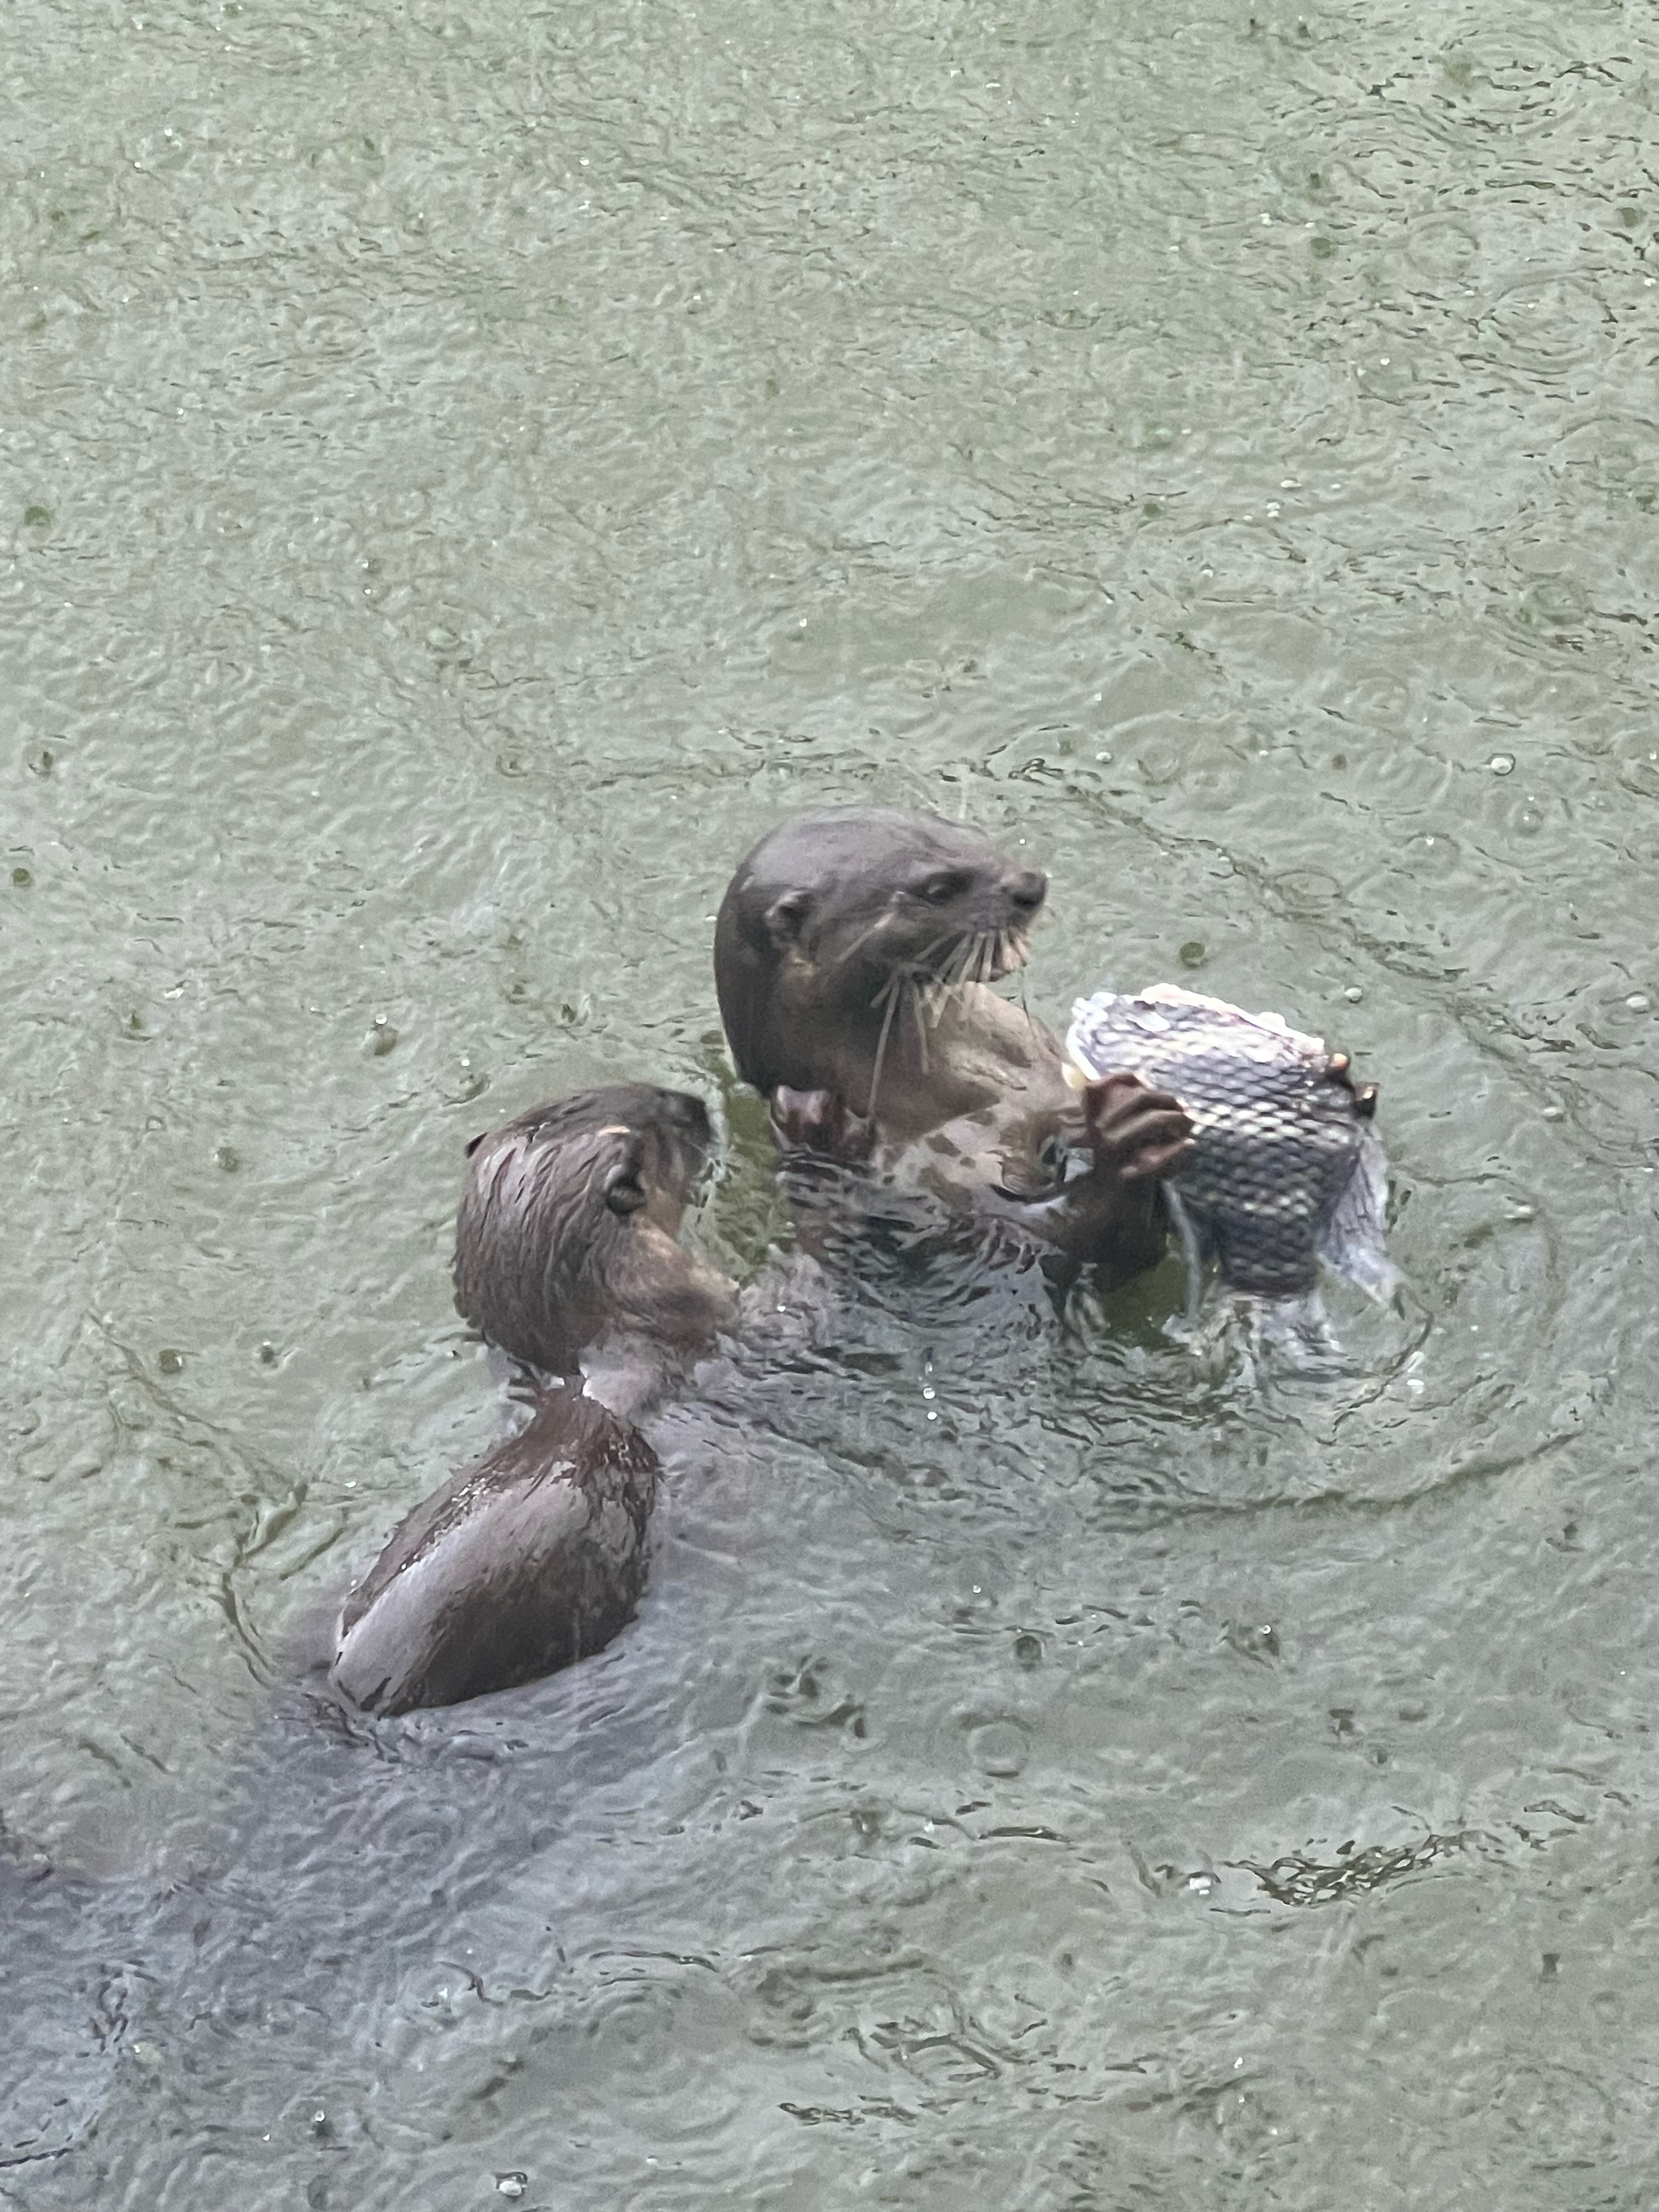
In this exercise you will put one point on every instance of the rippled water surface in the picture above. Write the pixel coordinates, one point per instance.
(467, 471)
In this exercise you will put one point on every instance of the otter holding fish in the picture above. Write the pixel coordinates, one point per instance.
(853, 952)
(566, 1255)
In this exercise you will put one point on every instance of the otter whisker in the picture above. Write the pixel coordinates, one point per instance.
(921, 1027)
(892, 991)
(954, 973)
(861, 940)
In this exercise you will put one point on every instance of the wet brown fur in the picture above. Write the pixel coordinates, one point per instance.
(536, 1555)
(568, 1226)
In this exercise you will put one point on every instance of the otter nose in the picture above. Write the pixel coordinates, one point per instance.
(1027, 888)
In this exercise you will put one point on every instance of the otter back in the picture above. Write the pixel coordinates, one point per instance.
(531, 1558)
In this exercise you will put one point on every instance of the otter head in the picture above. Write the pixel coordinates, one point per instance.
(828, 911)
(567, 1234)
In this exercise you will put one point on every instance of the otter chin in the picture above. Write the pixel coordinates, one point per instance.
(566, 1253)
(853, 952)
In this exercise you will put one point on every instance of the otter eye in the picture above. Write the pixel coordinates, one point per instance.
(623, 1192)
(948, 884)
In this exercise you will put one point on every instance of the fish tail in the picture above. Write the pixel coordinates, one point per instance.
(1192, 1255)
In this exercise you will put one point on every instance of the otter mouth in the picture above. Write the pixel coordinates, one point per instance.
(975, 956)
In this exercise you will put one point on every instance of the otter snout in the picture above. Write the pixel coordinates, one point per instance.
(1025, 889)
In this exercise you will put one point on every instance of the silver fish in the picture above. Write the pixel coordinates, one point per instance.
(1285, 1168)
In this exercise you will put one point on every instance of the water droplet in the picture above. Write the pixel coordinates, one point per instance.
(1502, 764)
(1191, 954)
(1255, 1639)
(267, 1354)
(227, 1157)
(21, 877)
(1028, 1649)
(382, 1038)
(170, 1362)
(999, 1748)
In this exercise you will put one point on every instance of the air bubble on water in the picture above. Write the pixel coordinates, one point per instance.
(512, 2184)
(1200, 1884)
(1502, 764)
(1638, 1002)
(1353, 994)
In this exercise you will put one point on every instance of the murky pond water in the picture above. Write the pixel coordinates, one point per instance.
(468, 469)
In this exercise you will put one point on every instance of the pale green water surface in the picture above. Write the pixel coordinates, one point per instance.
(464, 471)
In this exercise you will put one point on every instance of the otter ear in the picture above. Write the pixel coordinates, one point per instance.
(625, 1192)
(785, 916)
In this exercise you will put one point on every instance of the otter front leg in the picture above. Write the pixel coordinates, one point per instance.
(1111, 1215)
(821, 1123)
(1137, 1136)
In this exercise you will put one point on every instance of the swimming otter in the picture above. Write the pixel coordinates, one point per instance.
(565, 1251)
(853, 951)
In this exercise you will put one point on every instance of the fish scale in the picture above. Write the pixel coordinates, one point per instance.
(1285, 1169)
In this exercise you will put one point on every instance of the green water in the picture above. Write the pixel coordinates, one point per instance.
(465, 472)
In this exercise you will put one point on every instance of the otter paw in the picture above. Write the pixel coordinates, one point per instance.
(1133, 1130)
(819, 1122)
